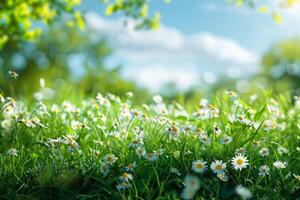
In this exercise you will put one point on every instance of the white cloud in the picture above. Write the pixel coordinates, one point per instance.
(157, 76)
(167, 55)
(225, 7)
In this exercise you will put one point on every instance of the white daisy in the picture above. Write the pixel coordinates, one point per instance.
(13, 152)
(218, 166)
(6, 124)
(104, 169)
(123, 186)
(130, 166)
(110, 159)
(222, 176)
(243, 192)
(264, 152)
(151, 156)
(75, 125)
(140, 151)
(239, 162)
(126, 177)
(199, 166)
(264, 170)
(192, 183)
(226, 139)
(297, 177)
(279, 164)
(157, 99)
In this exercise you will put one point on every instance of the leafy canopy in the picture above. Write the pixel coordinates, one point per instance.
(22, 20)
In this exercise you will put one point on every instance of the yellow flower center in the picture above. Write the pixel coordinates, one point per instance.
(130, 166)
(218, 167)
(239, 161)
(199, 165)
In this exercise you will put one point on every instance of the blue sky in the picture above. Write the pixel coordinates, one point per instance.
(198, 41)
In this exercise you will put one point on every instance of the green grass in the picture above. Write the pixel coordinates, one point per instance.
(61, 152)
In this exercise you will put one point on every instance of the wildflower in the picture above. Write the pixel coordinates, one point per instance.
(264, 152)
(84, 124)
(243, 192)
(151, 156)
(129, 94)
(110, 159)
(231, 94)
(192, 182)
(68, 107)
(239, 162)
(282, 150)
(270, 124)
(279, 164)
(158, 152)
(13, 74)
(104, 169)
(192, 185)
(297, 177)
(102, 101)
(130, 166)
(136, 142)
(202, 114)
(54, 108)
(126, 177)
(217, 130)
(238, 104)
(240, 150)
(140, 151)
(225, 140)
(57, 141)
(203, 137)
(203, 103)
(12, 152)
(264, 170)
(218, 166)
(173, 130)
(157, 99)
(175, 171)
(28, 123)
(6, 124)
(242, 119)
(75, 125)
(199, 166)
(71, 142)
(222, 176)
(123, 186)
(256, 143)
(125, 113)
(187, 128)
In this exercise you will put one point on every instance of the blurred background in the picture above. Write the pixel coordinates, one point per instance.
(200, 47)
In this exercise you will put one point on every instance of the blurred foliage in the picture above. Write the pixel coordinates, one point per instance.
(61, 58)
(18, 17)
(22, 20)
(264, 7)
(281, 66)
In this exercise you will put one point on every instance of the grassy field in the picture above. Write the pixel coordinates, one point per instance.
(110, 148)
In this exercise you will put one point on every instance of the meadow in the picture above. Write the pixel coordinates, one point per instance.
(108, 147)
